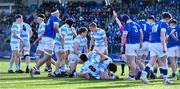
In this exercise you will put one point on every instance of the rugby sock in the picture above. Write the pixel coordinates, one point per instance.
(164, 72)
(161, 70)
(155, 70)
(147, 68)
(173, 74)
(17, 67)
(27, 65)
(131, 76)
(10, 66)
(122, 67)
(35, 68)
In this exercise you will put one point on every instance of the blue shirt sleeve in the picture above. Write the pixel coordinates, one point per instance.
(164, 26)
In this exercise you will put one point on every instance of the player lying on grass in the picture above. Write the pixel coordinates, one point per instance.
(97, 66)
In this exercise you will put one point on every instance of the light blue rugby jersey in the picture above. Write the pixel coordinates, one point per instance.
(67, 32)
(82, 42)
(15, 27)
(25, 30)
(41, 29)
(98, 36)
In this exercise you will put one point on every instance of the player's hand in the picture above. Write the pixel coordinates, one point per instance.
(114, 13)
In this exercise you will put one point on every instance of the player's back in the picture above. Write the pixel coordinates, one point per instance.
(91, 68)
(133, 30)
(98, 36)
(156, 31)
(68, 34)
(146, 28)
(25, 31)
(49, 28)
(171, 41)
(93, 57)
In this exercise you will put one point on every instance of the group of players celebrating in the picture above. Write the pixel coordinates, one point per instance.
(160, 39)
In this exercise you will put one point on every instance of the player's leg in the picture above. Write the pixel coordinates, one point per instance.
(48, 45)
(173, 66)
(130, 52)
(152, 61)
(155, 70)
(27, 56)
(178, 56)
(172, 59)
(124, 59)
(17, 62)
(11, 62)
(38, 55)
(47, 56)
(132, 65)
(13, 47)
(72, 62)
(140, 62)
(64, 61)
(164, 69)
(59, 55)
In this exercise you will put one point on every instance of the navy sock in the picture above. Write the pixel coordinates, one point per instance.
(155, 70)
(173, 74)
(122, 67)
(147, 69)
(132, 76)
(161, 70)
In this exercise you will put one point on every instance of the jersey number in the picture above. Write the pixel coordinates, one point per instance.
(136, 29)
(144, 27)
(92, 68)
(155, 28)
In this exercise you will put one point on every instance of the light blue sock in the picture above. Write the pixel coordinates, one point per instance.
(17, 67)
(10, 66)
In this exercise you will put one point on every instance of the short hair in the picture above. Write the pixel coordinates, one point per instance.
(93, 24)
(112, 67)
(173, 21)
(70, 21)
(41, 16)
(83, 57)
(125, 18)
(82, 30)
(151, 17)
(18, 16)
(166, 15)
(142, 16)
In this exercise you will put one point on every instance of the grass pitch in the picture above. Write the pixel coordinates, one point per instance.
(24, 81)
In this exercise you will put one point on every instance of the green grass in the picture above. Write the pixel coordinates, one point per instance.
(23, 81)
